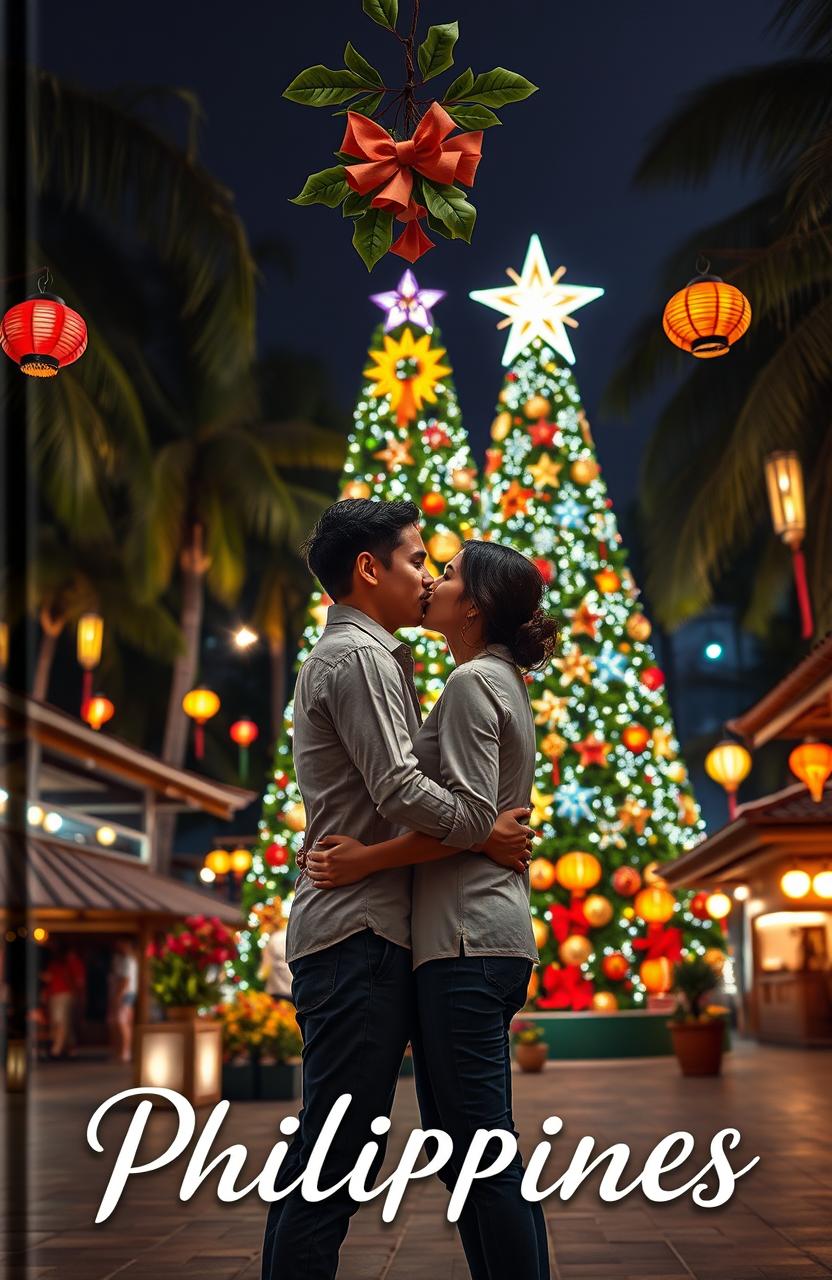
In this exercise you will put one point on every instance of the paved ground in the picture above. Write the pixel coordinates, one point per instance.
(776, 1227)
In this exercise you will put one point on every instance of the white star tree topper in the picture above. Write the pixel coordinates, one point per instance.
(537, 305)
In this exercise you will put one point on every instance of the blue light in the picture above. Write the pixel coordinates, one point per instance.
(713, 651)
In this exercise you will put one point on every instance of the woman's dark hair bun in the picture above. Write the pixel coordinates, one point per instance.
(535, 642)
(508, 589)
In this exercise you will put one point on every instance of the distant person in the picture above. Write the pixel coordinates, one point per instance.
(125, 990)
(57, 992)
(78, 977)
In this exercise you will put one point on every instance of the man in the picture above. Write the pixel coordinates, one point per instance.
(355, 713)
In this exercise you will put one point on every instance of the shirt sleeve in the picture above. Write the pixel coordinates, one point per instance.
(469, 726)
(365, 701)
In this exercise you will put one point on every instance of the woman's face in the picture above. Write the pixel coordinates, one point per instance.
(448, 607)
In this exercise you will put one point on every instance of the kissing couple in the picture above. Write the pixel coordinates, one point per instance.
(411, 921)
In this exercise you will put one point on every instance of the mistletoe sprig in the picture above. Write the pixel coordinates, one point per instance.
(410, 171)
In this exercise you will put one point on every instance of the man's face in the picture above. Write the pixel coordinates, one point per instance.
(404, 588)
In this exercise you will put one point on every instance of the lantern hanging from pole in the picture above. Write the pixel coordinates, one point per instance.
(43, 334)
(244, 732)
(784, 481)
(89, 639)
(811, 762)
(218, 861)
(729, 764)
(99, 711)
(240, 862)
(578, 871)
(706, 317)
(200, 705)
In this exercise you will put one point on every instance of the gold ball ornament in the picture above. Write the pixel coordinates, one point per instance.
(500, 427)
(356, 489)
(503, 397)
(584, 470)
(534, 983)
(715, 958)
(536, 407)
(442, 547)
(576, 949)
(598, 910)
(638, 627)
(541, 931)
(653, 875)
(604, 1002)
(677, 772)
(294, 815)
(541, 874)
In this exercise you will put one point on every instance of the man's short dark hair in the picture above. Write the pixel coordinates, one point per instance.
(349, 527)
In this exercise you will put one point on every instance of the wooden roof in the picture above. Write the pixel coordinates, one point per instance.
(799, 706)
(62, 882)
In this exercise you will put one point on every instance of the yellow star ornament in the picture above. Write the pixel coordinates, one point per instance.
(546, 472)
(541, 808)
(537, 305)
(575, 665)
(550, 709)
(407, 371)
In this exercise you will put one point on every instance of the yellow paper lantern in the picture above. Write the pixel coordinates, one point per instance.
(294, 815)
(795, 883)
(655, 905)
(541, 874)
(784, 481)
(657, 975)
(200, 704)
(598, 910)
(576, 949)
(729, 764)
(536, 407)
(811, 762)
(707, 317)
(218, 861)
(541, 931)
(89, 639)
(718, 905)
(604, 1002)
(240, 861)
(442, 547)
(501, 426)
(578, 871)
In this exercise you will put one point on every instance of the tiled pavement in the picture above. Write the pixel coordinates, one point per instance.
(776, 1226)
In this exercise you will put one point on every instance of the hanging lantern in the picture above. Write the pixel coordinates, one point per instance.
(707, 317)
(99, 710)
(240, 862)
(200, 705)
(578, 871)
(89, 639)
(218, 861)
(811, 762)
(244, 732)
(719, 905)
(784, 481)
(729, 764)
(655, 905)
(635, 738)
(541, 874)
(43, 334)
(657, 975)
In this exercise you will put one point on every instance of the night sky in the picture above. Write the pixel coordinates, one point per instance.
(561, 165)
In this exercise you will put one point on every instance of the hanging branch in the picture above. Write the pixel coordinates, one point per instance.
(409, 175)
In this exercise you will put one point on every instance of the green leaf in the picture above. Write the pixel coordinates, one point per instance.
(450, 206)
(322, 87)
(355, 204)
(496, 88)
(384, 12)
(328, 187)
(436, 53)
(438, 227)
(459, 88)
(373, 235)
(362, 68)
(468, 115)
(364, 106)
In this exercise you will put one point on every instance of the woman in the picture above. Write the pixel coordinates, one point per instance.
(125, 969)
(473, 944)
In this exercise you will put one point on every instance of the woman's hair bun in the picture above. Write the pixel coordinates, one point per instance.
(534, 643)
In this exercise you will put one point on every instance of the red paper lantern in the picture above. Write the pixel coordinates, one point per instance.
(276, 854)
(699, 906)
(433, 504)
(98, 711)
(42, 335)
(652, 678)
(615, 966)
(635, 738)
(244, 732)
(626, 881)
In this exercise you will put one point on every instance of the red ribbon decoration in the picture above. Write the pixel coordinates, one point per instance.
(567, 920)
(660, 942)
(565, 989)
(389, 164)
(413, 242)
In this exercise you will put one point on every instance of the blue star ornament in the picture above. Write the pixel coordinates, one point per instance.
(573, 801)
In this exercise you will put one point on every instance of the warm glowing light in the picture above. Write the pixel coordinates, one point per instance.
(244, 637)
(742, 893)
(822, 884)
(52, 823)
(795, 883)
(240, 861)
(98, 711)
(729, 764)
(218, 861)
(40, 934)
(707, 317)
(654, 904)
(784, 481)
(106, 835)
(537, 305)
(578, 871)
(206, 875)
(89, 639)
(718, 905)
(200, 704)
(35, 815)
(657, 975)
(244, 732)
(811, 762)
(407, 303)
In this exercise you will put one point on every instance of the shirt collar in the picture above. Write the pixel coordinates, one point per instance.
(341, 614)
(500, 651)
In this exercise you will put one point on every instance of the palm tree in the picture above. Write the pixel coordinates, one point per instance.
(702, 482)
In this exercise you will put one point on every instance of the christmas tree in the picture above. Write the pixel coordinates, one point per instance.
(408, 442)
(612, 798)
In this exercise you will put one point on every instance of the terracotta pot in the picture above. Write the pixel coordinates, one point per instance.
(531, 1057)
(698, 1046)
(181, 1013)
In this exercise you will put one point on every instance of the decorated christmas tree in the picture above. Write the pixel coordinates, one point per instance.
(612, 798)
(408, 442)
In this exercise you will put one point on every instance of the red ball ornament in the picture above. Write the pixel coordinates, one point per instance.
(545, 568)
(615, 966)
(276, 855)
(42, 335)
(281, 779)
(635, 738)
(626, 881)
(433, 504)
(699, 906)
(652, 678)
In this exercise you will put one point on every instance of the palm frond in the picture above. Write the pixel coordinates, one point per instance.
(810, 193)
(301, 444)
(157, 533)
(225, 544)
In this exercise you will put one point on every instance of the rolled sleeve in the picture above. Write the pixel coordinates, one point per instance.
(365, 701)
(471, 719)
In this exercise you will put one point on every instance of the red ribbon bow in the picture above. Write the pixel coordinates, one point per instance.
(413, 242)
(392, 163)
(567, 920)
(565, 988)
(660, 942)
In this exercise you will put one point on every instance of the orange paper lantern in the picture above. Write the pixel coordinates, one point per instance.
(655, 905)
(707, 317)
(657, 975)
(811, 762)
(578, 871)
(98, 711)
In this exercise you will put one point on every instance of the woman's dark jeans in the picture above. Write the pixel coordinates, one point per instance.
(463, 1081)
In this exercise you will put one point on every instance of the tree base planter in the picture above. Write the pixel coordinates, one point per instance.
(698, 1046)
(255, 1081)
(238, 1083)
(531, 1057)
(183, 1054)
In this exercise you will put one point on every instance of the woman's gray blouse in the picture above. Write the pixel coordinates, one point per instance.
(479, 738)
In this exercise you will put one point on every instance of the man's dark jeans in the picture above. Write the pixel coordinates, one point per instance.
(355, 1009)
(463, 1081)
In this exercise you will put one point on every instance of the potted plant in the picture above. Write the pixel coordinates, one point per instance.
(530, 1048)
(697, 1029)
(261, 1047)
(187, 967)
